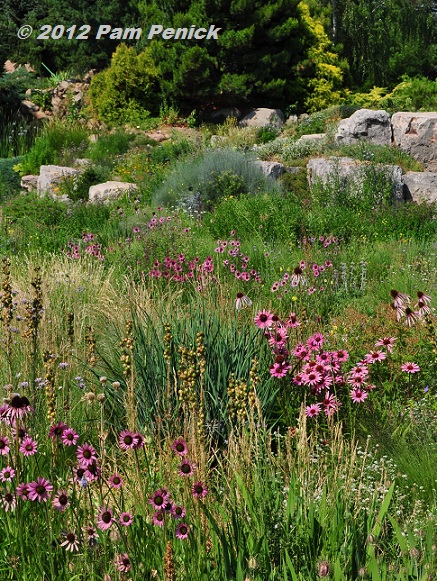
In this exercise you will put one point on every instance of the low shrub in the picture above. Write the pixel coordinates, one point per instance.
(198, 184)
(9, 179)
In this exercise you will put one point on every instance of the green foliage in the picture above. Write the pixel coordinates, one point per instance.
(13, 87)
(55, 138)
(126, 92)
(108, 145)
(77, 187)
(320, 70)
(9, 179)
(412, 94)
(196, 183)
(384, 40)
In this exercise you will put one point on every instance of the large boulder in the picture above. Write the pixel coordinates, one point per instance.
(345, 171)
(109, 191)
(416, 134)
(365, 125)
(50, 177)
(263, 118)
(271, 169)
(420, 186)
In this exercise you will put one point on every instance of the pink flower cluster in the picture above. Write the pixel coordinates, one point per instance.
(183, 270)
(161, 500)
(401, 306)
(238, 264)
(91, 248)
(320, 372)
(299, 279)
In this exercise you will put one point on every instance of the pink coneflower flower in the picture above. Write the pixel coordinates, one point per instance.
(159, 498)
(199, 490)
(57, 430)
(178, 511)
(86, 455)
(330, 402)
(71, 542)
(399, 299)
(375, 356)
(358, 395)
(242, 301)
(126, 519)
(158, 518)
(311, 378)
(8, 501)
(127, 440)
(91, 535)
(387, 342)
(22, 491)
(4, 445)
(297, 277)
(115, 481)
(312, 410)
(292, 322)
(410, 367)
(357, 380)
(359, 370)
(60, 501)
(342, 355)
(7, 474)
(182, 531)
(264, 319)
(140, 441)
(180, 447)
(18, 408)
(122, 563)
(423, 297)
(105, 518)
(40, 489)
(92, 472)
(69, 437)
(186, 468)
(28, 447)
(423, 308)
(411, 317)
(279, 369)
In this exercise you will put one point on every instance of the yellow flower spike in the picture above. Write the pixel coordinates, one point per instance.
(294, 298)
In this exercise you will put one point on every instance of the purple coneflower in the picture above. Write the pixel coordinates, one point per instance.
(22, 491)
(182, 531)
(28, 447)
(180, 447)
(140, 441)
(178, 511)
(40, 489)
(186, 468)
(387, 342)
(7, 474)
(399, 299)
(312, 410)
(126, 519)
(423, 297)
(60, 501)
(86, 455)
(4, 445)
(71, 542)
(69, 437)
(242, 301)
(127, 440)
(375, 356)
(18, 408)
(159, 498)
(8, 501)
(358, 395)
(91, 535)
(122, 563)
(57, 430)
(199, 490)
(159, 518)
(264, 319)
(411, 317)
(105, 518)
(115, 481)
(410, 367)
